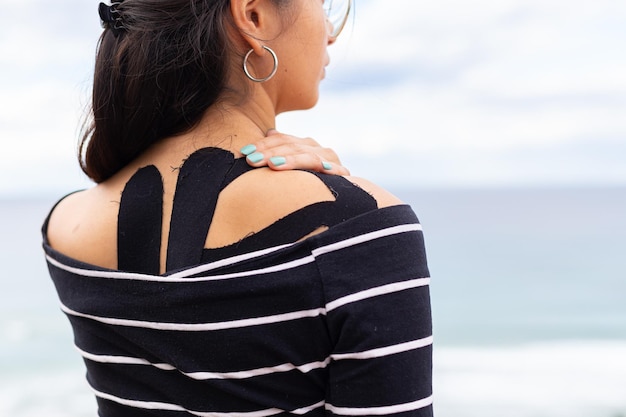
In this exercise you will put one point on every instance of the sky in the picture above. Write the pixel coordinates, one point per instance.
(487, 93)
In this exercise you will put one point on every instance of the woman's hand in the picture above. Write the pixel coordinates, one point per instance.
(282, 152)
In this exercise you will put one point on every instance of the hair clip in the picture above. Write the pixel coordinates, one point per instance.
(111, 18)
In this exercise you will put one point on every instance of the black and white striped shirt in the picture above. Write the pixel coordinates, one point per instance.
(337, 324)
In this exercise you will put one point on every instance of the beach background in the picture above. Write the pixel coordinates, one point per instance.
(528, 296)
(502, 124)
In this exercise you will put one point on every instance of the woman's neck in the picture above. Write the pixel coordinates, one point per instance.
(227, 128)
(232, 126)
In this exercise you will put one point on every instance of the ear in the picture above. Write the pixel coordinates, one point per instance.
(255, 20)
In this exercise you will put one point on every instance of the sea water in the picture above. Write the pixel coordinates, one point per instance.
(528, 292)
(529, 300)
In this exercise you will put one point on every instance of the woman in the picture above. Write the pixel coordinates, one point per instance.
(200, 284)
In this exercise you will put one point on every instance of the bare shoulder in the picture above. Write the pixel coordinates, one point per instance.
(84, 225)
(383, 197)
(276, 194)
(260, 197)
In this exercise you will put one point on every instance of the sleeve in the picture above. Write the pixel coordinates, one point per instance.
(379, 319)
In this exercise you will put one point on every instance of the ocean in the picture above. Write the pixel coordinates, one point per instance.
(528, 293)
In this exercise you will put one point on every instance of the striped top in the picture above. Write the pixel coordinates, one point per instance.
(337, 324)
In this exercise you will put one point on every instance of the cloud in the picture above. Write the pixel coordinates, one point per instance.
(461, 93)
(460, 82)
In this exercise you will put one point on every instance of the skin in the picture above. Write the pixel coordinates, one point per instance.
(84, 225)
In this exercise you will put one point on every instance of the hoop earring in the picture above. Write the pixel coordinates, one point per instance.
(260, 80)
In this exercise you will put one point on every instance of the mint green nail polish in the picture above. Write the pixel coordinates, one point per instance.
(248, 149)
(327, 165)
(278, 160)
(255, 157)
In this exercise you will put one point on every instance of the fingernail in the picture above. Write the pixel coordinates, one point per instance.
(255, 157)
(248, 149)
(278, 160)
(327, 166)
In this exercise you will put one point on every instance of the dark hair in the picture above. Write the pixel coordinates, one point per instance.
(154, 78)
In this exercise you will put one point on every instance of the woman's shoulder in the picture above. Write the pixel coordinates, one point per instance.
(261, 197)
(253, 199)
(287, 191)
(83, 225)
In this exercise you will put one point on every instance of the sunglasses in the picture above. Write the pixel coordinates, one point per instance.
(337, 12)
